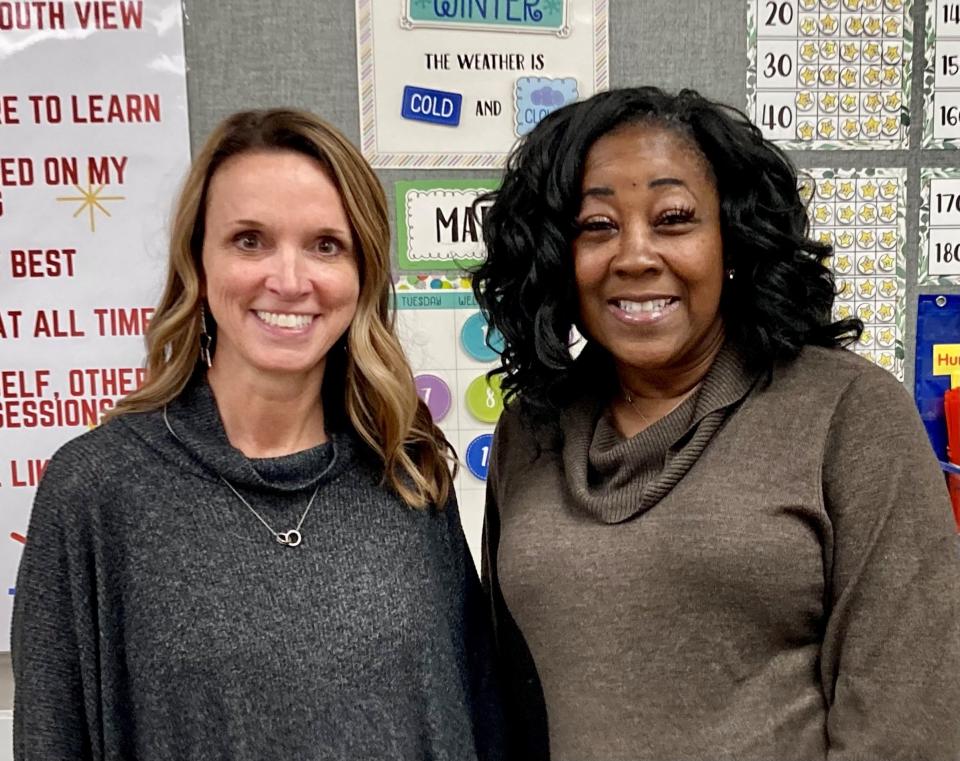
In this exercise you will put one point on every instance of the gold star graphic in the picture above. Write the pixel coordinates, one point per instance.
(851, 5)
(865, 238)
(828, 49)
(872, 102)
(848, 77)
(808, 25)
(825, 236)
(872, 75)
(826, 128)
(866, 288)
(888, 238)
(850, 127)
(822, 213)
(807, 75)
(854, 25)
(866, 265)
(872, 25)
(90, 199)
(846, 190)
(805, 130)
(892, 54)
(888, 212)
(844, 311)
(845, 239)
(808, 51)
(849, 51)
(868, 213)
(865, 312)
(889, 189)
(866, 338)
(892, 101)
(886, 336)
(891, 27)
(885, 360)
(871, 51)
(828, 24)
(804, 100)
(845, 290)
(888, 287)
(826, 188)
(843, 263)
(886, 262)
(868, 190)
(891, 75)
(848, 102)
(872, 125)
(894, 5)
(846, 214)
(828, 101)
(891, 125)
(885, 312)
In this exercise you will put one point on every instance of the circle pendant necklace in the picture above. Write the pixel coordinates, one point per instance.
(290, 538)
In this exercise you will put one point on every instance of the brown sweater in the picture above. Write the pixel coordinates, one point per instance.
(768, 573)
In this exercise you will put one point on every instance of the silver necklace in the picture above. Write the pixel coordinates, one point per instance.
(291, 538)
(632, 401)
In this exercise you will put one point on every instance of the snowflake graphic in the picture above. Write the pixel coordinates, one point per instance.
(552, 6)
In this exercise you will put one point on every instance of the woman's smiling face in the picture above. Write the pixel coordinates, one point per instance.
(648, 258)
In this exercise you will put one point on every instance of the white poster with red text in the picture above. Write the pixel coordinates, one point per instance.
(93, 145)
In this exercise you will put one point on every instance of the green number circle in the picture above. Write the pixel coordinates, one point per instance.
(484, 399)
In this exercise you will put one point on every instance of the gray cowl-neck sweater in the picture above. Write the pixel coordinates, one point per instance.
(157, 618)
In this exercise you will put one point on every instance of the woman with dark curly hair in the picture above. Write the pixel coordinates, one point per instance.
(714, 533)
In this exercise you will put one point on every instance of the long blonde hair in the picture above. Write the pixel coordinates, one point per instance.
(371, 380)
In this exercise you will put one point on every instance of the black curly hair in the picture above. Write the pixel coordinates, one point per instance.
(781, 297)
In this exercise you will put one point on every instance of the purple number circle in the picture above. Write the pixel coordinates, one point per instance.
(435, 393)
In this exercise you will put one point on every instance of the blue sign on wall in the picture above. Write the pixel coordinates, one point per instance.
(434, 106)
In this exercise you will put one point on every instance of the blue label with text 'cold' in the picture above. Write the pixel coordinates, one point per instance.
(434, 106)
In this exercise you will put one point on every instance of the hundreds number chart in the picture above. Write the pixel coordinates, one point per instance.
(451, 350)
(830, 73)
(941, 78)
(862, 214)
(939, 260)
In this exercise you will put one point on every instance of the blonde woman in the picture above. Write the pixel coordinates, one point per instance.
(259, 554)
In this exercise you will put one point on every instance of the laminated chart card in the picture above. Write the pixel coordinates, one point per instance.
(941, 78)
(939, 260)
(454, 83)
(442, 331)
(862, 214)
(830, 73)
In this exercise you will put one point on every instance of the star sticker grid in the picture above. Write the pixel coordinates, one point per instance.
(830, 73)
(861, 213)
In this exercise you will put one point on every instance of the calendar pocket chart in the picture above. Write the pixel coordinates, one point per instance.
(830, 74)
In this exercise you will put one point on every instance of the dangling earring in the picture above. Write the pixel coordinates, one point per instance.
(205, 339)
(731, 273)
